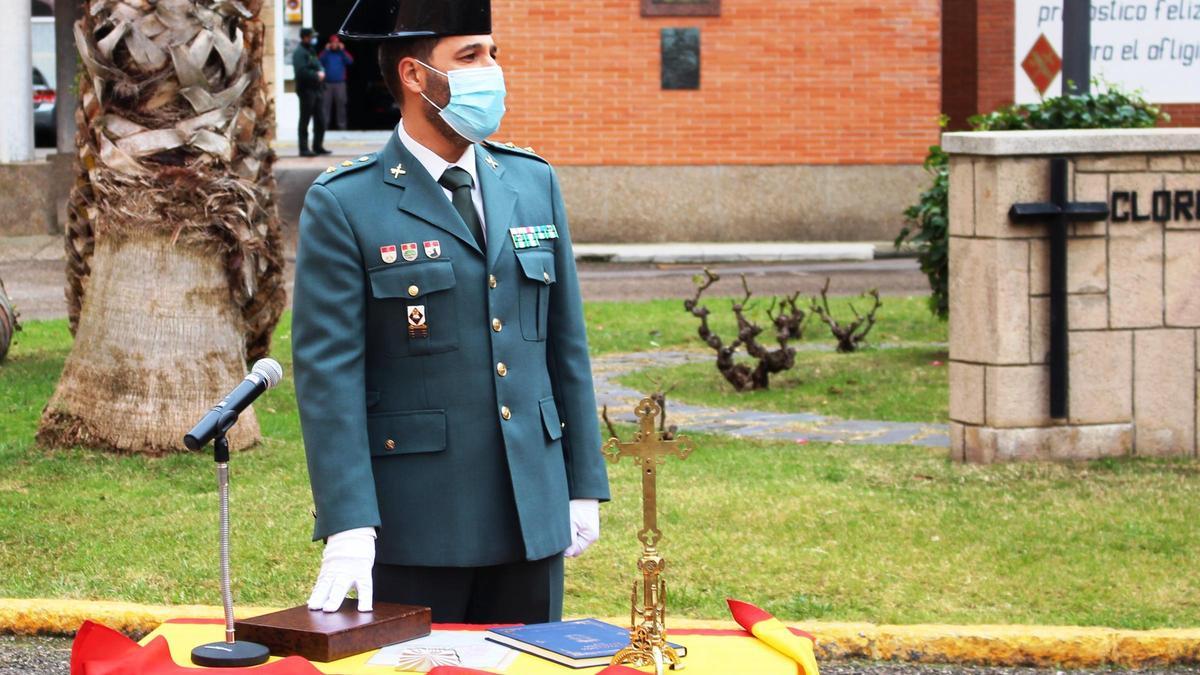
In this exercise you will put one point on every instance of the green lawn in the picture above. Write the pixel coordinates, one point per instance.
(665, 324)
(902, 385)
(887, 534)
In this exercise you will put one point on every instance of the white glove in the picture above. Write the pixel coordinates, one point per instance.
(349, 557)
(585, 526)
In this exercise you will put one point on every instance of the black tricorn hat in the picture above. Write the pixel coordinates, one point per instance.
(392, 19)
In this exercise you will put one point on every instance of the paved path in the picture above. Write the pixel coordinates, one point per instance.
(51, 656)
(800, 427)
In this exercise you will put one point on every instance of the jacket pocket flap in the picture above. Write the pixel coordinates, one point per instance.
(412, 281)
(538, 266)
(550, 418)
(407, 433)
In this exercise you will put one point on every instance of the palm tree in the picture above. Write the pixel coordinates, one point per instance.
(174, 250)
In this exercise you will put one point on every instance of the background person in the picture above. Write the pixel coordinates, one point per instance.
(336, 61)
(310, 80)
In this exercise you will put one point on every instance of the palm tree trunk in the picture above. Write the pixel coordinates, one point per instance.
(174, 249)
(158, 344)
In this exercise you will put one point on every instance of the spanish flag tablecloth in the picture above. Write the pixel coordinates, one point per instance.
(710, 652)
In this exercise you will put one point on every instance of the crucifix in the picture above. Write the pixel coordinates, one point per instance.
(1058, 213)
(648, 634)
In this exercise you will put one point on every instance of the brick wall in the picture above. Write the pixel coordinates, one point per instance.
(782, 82)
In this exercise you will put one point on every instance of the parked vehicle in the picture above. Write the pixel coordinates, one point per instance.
(43, 110)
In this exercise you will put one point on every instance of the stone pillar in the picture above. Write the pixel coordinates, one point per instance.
(1133, 296)
(66, 61)
(16, 83)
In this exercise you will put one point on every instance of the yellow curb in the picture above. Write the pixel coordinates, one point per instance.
(1017, 645)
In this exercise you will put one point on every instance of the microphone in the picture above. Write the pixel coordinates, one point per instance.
(265, 375)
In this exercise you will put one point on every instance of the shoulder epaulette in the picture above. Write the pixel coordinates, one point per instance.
(515, 149)
(346, 167)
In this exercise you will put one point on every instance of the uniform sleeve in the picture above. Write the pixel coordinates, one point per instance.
(328, 350)
(571, 369)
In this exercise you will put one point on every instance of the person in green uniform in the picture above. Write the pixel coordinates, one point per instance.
(310, 87)
(441, 361)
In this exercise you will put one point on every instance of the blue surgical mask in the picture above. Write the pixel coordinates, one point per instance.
(476, 104)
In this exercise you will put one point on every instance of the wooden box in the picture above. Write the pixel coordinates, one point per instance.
(325, 637)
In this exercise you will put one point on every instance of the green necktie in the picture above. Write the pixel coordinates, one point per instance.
(460, 184)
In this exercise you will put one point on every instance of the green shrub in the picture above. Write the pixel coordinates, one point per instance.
(927, 221)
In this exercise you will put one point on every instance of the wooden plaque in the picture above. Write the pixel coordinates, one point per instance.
(681, 7)
(324, 637)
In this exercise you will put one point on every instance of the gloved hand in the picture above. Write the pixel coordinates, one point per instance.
(349, 557)
(585, 526)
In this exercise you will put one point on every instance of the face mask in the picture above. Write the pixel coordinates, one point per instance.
(476, 104)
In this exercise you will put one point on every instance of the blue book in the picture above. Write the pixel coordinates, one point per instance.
(583, 643)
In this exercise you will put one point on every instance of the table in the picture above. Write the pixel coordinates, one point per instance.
(710, 652)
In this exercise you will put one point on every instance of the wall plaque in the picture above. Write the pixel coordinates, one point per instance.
(681, 7)
(681, 58)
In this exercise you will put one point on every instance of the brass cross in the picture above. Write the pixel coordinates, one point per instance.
(648, 450)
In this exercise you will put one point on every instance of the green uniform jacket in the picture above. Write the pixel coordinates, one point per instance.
(307, 67)
(410, 433)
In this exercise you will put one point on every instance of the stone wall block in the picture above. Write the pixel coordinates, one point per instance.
(989, 281)
(1039, 330)
(1018, 396)
(1049, 443)
(1101, 389)
(957, 442)
(1111, 163)
(979, 445)
(1136, 259)
(1191, 162)
(1000, 183)
(1182, 278)
(1181, 182)
(1166, 162)
(1164, 392)
(1084, 313)
(962, 196)
(1087, 266)
(966, 392)
(1090, 187)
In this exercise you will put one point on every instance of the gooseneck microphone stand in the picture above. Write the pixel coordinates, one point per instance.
(230, 653)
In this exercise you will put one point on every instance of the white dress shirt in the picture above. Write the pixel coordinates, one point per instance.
(436, 166)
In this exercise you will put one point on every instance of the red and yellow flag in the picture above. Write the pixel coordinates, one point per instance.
(796, 645)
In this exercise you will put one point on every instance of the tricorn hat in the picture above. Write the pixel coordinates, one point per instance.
(392, 19)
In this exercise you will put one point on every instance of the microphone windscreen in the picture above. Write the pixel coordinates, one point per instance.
(270, 370)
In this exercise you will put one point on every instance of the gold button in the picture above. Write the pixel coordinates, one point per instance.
(505, 413)
(501, 369)
(546, 276)
(413, 290)
(492, 281)
(390, 444)
(497, 326)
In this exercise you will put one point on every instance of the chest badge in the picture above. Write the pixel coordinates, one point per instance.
(418, 325)
(523, 237)
(398, 171)
(388, 253)
(433, 249)
(409, 251)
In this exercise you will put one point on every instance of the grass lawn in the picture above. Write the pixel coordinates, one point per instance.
(901, 385)
(887, 534)
(665, 324)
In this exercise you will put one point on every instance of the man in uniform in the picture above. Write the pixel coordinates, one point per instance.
(310, 83)
(441, 361)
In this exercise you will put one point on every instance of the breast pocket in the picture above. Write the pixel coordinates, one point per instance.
(413, 309)
(537, 277)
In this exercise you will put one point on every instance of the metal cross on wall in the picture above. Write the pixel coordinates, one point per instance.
(1058, 213)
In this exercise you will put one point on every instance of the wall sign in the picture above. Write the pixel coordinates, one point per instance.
(1147, 45)
(681, 58)
(681, 7)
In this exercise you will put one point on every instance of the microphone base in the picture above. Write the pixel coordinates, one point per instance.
(230, 654)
